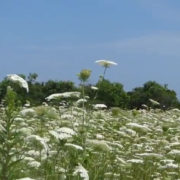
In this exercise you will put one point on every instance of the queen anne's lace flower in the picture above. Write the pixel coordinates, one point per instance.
(100, 106)
(154, 102)
(94, 88)
(106, 63)
(40, 140)
(135, 161)
(74, 146)
(18, 79)
(27, 111)
(138, 127)
(80, 170)
(63, 133)
(63, 95)
(80, 101)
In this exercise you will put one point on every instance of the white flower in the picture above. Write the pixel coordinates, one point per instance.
(144, 106)
(18, 119)
(100, 106)
(135, 161)
(98, 144)
(122, 161)
(170, 166)
(175, 110)
(40, 140)
(18, 79)
(63, 95)
(27, 111)
(175, 153)
(33, 153)
(80, 101)
(34, 164)
(26, 131)
(138, 127)
(175, 144)
(94, 88)
(63, 133)
(27, 105)
(75, 146)
(80, 170)
(115, 144)
(106, 63)
(151, 155)
(99, 136)
(67, 116)
(154, 102)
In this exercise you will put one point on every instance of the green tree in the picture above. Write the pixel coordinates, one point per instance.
(152, 90)
(32, 77)
(112, 94)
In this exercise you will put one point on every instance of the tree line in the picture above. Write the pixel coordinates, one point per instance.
(110, 93)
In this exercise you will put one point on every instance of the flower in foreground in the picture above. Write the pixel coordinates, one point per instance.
(28, 111)
(150, 155)
(74, 146)
(94, 88)
(80, 101)
(138, 127)
(100, 106)
(40, 140)
(74, 94)
(63, 133)
(135, 161)
(98, 144)
(18, 79)
(84, 75)
(82, 172)
(106, 63)
(154, 102)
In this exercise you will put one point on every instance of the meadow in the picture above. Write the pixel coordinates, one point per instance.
(76, 140)
(48, 143)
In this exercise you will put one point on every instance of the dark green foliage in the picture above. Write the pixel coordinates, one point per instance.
(37, 91)
(152, 90)
(9, 139)
(51, 87)
(111, 94)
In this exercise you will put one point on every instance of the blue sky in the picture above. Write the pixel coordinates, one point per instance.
(58, 38)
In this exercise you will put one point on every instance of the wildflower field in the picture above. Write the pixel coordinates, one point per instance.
(68, 138)
(52, 143)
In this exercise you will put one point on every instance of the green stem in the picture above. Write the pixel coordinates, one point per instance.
(103, 76)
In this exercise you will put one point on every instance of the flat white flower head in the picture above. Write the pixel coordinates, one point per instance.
(39, 139)
(94, 88)
(154, 102)
(74, 146)
(80, 101)
(63, 133)
(80, 170)
(18, 79)
(106, 63)
(64, 95)
(100, 106)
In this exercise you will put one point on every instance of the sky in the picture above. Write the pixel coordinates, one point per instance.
(59, 38)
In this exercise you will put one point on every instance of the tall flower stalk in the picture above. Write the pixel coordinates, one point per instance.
(106, 64)
(83, 77)
(9, 138)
